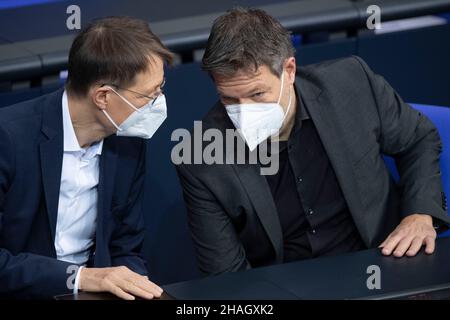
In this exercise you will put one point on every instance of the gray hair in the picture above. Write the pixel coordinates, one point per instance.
(244, 40)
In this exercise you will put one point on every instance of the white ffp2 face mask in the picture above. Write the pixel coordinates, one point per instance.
(143, 122)
(258, 121)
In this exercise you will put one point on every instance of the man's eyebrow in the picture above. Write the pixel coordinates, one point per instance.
(222, 94)
(157, 86)
(160, 84)
(257, 89)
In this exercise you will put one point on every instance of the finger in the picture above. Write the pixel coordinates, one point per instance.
(430, 245)
(135, 290)
(114, 289)
(391, 244)
(148, 286)
(402, 247)
(384, 242)
(143, 283)
(139, 286)
(415, 246)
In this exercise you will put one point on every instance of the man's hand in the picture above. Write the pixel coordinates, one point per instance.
(119, 281)
(411, 234)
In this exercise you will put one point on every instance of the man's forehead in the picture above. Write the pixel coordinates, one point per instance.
(243, 76)
(242, 81)
(152, 77)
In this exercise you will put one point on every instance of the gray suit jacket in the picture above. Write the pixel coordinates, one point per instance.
(359, 117)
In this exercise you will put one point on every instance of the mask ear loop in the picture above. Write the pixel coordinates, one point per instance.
(279, 98)
(127, 102)
(112, 121)
(124, 99)
(282, 86)
(108, 116)
(289, 106)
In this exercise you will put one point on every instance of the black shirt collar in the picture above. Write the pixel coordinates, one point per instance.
(301, 112)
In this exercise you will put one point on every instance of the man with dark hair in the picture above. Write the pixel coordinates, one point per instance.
(72, 168)
(332, 193)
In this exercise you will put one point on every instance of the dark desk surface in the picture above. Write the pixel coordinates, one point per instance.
(338, 277)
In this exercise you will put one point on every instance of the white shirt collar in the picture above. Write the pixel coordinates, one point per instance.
(70, 139)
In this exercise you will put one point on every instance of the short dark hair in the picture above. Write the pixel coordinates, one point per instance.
(245, 39)
(112, 50)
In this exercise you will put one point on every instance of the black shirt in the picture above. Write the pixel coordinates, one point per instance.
(313, 213)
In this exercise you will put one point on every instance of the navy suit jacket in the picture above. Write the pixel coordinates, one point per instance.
(31, 154)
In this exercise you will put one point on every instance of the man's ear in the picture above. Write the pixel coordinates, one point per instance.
(100, 96)
(290, 66)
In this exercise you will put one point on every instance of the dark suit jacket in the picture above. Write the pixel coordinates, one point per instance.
(31, 153)
(359, 117)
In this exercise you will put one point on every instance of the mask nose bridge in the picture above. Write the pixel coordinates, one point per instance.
(244, 101)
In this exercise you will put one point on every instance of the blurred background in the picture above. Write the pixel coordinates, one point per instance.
(411, 50)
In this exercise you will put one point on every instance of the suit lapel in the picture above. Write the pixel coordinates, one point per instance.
(256, 187)
(51, 155)
(108, 163)
(261, 197)
(336, 149)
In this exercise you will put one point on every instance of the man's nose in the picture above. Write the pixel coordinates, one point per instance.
(245, 101)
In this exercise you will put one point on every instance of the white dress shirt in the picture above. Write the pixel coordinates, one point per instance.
(77, 208)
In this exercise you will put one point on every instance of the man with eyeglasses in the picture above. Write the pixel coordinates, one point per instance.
(72, 169)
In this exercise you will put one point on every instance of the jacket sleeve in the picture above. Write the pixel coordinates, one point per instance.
(217, 243)
(26, 275)
(128, 236)
(413, 141)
